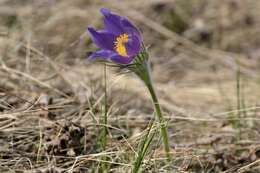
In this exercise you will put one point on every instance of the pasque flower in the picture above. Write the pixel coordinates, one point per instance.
(119, 41)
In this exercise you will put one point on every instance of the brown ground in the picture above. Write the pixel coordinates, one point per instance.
(206, 59)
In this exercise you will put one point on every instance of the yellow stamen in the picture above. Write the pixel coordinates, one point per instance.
(120, 44)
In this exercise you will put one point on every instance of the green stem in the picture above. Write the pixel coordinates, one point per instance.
(105, 104)
(141, 67)
(157, 107)
(238, 99)
(143, 148)
(162, 122)
(103, 139)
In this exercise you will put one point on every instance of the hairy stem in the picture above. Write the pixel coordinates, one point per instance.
(103, 139)
(141, 67)
(157, 107)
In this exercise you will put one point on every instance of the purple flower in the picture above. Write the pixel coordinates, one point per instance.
(120, 41)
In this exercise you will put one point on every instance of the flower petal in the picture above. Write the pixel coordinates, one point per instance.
(102, 39)
(110, 56)
(130, 28)
(102, 54)
(112, 22)
(118, 59)
(118, 25)
(133, 46)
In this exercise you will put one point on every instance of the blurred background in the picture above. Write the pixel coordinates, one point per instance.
(205, 58)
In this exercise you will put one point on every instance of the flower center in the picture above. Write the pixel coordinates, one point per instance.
(120, 44)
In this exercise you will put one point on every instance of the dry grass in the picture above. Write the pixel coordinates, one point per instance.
(51, 96)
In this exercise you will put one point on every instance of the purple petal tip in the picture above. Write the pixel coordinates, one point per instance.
(90, 29)
(104, 11)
